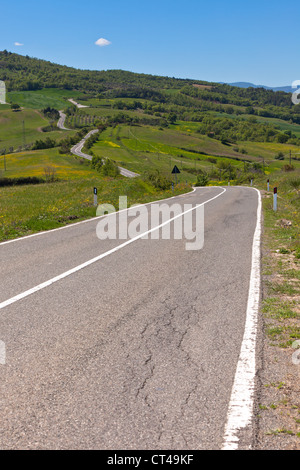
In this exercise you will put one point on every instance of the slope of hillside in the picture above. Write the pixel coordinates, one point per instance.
(149, 122)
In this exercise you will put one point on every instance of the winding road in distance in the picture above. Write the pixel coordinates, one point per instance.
(77, 149)
(134, 343)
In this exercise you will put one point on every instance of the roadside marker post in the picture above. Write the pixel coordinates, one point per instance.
(95, 197)
(275, 200)
(268, 185)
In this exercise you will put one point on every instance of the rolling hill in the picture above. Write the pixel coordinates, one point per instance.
(148, 122)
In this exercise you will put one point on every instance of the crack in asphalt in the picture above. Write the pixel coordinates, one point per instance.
(170, 329)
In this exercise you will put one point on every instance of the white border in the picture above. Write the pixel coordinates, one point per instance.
(240, 412)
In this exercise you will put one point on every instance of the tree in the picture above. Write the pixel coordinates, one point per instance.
(279, 156)
(15, 107)
(172, 118)
(282, 138)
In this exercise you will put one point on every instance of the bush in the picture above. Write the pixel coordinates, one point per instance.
(44, 144)
(91, 140)
(202, 179)
(50, 173)
(96, 162)
(282, 138)
(109, 168)
(287, 168)
(279, 156)
(20, 181)
(158, 180)
(15, 107)
(51, 113)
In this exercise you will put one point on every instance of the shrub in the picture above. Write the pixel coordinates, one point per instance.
(109, 168)
(158, 180)
(96, 162)
(50, 173)
(202, 179)
(20, 181)
(287, 168)
(44, 144)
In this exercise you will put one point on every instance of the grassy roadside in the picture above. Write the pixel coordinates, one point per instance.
(33, 208)
(278, 415)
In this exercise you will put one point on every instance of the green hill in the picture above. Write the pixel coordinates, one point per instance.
(149, 122)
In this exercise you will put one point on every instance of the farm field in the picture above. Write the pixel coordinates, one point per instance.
(11, 128)
(40, 99)
(35, 162)
(144, 148)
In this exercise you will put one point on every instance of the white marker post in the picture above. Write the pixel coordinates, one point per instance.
(2, 92)
(268, 185)
(275, 200)
(95, 197)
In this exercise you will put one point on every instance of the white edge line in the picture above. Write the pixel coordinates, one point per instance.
(92, 219)
(240, 412)
(97, 258)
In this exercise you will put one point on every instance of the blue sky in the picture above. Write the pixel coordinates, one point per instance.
(229, 41)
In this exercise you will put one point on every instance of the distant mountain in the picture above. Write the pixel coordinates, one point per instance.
(286, 89)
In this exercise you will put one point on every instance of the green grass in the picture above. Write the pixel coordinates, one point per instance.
(142, 148)
(29, 209)
(11, 128)
(32, 208)
(268, 151)
(41, 99)
(33, 163)
(280, 305)
(275, 307)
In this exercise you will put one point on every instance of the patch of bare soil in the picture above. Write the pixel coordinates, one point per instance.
(202, 87)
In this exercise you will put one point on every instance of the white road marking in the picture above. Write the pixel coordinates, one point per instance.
(48, 283)
(38, 234)
(240, 412)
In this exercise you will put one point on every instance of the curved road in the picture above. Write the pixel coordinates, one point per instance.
(61, 121)
(77, 149)
(132, 344)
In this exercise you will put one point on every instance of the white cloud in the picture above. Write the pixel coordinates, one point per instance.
(102, 42)
(18, 44)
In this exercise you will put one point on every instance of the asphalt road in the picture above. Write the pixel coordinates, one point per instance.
(77, 148)
(137, 349)
(61, 121)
